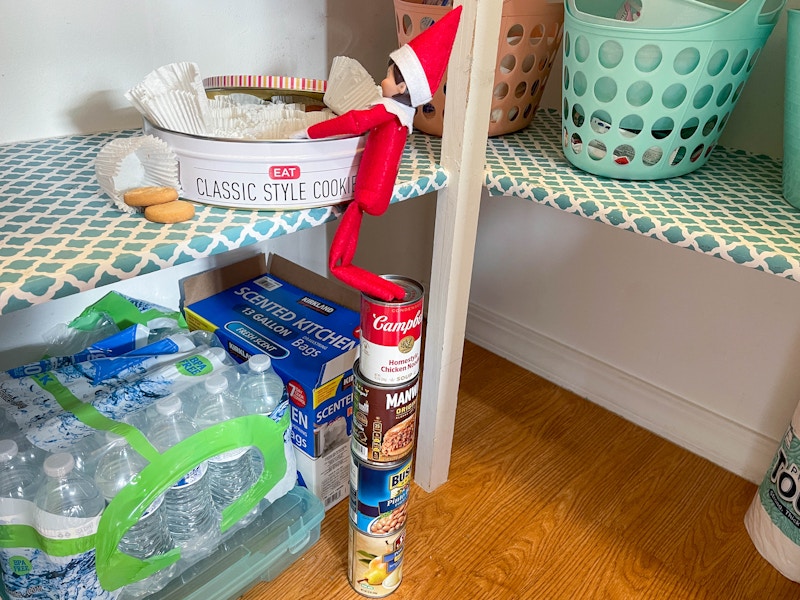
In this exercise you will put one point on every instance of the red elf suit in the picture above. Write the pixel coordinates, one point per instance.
(422, 62)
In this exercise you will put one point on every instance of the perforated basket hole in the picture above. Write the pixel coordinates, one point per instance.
(708, 128)
(723, 122)
(496, 115)
(753, 59)
(500, 90)
(674, 95)
(514, 34)
(425, 22)
(429, 111)
(520, 90)
(697, 153)
(534, 87)
(702, 96)
(528, 62)
(652, 156)
(581, 49)
(578, 115)
(624, 154)
(408, 26)
(543, 63)
(677, 156)
(648, 58)
(717, 62)
(605, 89)
(639, 93)
(576, 143)
(724, 94)
(580, 84)
(537, 35)
(662, 128)
(689, 128)
(738, 91)
(631, 125)
(565, 109)
(597, 150)
(507, 64)
(610, 54)
(686, 61)
(567, 44)
(527, 112)
(739, 62)
(566, 77)
(513, 113)
(600, 122)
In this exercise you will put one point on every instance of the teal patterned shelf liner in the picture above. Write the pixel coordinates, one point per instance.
(731, 208)
(62, 235)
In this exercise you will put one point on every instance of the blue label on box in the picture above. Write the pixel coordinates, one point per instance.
(313, 343)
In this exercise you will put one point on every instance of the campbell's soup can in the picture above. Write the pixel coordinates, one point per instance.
(384, 418)
(379, 494)
(375, 564)
(391, 334)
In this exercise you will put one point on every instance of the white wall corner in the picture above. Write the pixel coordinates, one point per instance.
(729, 444)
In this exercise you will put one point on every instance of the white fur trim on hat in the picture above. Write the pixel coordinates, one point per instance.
(413, 74)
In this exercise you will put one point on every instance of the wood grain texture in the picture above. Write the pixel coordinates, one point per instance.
(552, 497)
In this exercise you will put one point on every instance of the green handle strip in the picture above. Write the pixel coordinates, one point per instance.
(116, 569)
(89, 415)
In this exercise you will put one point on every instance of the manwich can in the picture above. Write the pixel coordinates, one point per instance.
(375, 564)
(391, 334)
(384, 418)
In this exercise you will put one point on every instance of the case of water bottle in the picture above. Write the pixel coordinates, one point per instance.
(97, 501)
(309, 326)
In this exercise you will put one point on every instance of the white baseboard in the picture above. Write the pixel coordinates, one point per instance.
(730, 445)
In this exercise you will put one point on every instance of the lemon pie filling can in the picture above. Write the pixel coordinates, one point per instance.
(391, 334)
(375, 564)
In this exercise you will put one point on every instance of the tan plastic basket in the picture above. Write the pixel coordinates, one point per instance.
(530, 35)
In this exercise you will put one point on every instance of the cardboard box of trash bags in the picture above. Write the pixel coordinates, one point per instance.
(309, 326)
(128, 472)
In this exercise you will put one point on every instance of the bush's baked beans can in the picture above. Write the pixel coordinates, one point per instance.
(384, 418)
(391, 334)
(379, 494)
(375, 564)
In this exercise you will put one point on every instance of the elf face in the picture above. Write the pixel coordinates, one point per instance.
(389, 87)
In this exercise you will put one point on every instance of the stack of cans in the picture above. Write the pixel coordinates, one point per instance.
(384, 422)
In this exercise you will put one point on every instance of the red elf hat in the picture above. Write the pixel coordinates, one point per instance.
(423, 60)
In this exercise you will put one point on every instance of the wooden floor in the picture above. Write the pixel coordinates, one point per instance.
(552, 497)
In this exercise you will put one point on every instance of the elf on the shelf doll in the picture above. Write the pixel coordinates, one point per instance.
(414, 73)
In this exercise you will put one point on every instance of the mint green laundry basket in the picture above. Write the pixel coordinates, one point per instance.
(651, 103)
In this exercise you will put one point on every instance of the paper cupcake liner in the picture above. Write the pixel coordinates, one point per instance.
(350, 86)
(128, 163)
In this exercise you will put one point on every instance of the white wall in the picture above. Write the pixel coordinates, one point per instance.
(696, 349)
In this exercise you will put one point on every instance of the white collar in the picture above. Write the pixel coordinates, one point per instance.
(403, 112)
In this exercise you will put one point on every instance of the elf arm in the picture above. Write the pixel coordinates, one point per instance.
(353, 122)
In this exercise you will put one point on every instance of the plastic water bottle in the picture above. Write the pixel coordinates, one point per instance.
(115, 469)
(18, 477)
(191, 517)
(232, 472)
(262, 389)
(66, 492)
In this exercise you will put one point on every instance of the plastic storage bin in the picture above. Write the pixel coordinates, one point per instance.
(259, 552)
(651, 103)
(530, 35)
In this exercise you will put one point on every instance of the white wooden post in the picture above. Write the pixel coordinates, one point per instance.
(470, 78)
